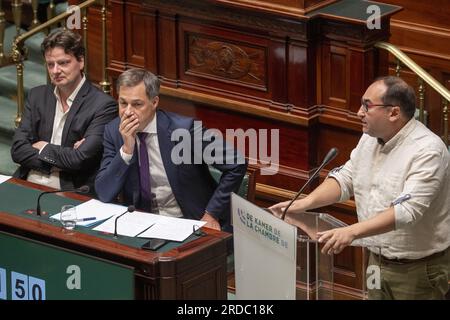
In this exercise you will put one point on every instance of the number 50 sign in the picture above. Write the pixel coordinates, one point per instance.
(23, 287)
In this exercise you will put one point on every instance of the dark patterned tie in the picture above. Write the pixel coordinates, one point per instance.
(144, 173)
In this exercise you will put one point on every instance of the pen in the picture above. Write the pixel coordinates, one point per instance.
(86, 219)
(145, 229)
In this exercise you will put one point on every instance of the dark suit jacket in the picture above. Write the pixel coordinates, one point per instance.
(90, 112)
(192, 185)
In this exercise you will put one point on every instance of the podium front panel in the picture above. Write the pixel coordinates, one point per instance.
(32, 270)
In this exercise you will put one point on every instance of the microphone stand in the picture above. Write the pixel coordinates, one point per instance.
(82, 189)
(129, 209)
(330, 156)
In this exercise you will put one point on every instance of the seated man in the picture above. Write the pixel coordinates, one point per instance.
(141, 159)
(59, 140)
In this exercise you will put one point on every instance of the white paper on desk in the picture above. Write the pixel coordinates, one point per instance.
(94, 208)
(3, 178)
(130, 224)
(174, 229)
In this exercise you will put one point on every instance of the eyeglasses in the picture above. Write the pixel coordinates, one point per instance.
(366, 105)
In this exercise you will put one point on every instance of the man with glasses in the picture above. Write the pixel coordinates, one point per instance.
(400, 177)
(59, 140)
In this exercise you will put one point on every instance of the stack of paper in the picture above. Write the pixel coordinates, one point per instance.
(94, 211)
(148, 225)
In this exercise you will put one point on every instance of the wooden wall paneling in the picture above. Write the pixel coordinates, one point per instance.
(347, 67)
(291, 7)
(205, 284)
(294, 143)
(141, 45)
(334, 76)
(339, 77)
(344, 139)
(423, 13)
(361, 75)
(277, 72)
(301, 90)
(424, 40)
(168, 48)
(95, 72)
(118, 30)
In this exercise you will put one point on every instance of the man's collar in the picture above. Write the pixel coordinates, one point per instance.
(399, 136)
(151, 127)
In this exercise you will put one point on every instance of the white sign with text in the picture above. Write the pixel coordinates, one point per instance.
(265, 250)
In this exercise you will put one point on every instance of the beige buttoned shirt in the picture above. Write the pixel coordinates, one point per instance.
(411, 173)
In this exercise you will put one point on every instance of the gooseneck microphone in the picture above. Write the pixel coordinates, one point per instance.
(330, 156)
(129, 209)
(82, 189)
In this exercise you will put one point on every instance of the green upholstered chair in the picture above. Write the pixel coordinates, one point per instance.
(247, 187)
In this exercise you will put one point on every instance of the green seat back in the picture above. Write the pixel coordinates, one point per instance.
(243, 188)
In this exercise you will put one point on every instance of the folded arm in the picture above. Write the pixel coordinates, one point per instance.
(22, 150)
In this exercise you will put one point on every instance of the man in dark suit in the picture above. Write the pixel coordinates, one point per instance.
(59, 140)
(143, 160)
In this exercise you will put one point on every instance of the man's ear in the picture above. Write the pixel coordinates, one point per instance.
(396, 113)
(155, 102)
(81, 61)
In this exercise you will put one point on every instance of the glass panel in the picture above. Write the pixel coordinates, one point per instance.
(315, 277)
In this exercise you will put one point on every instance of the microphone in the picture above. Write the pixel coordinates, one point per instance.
(82, 189)
(129, 209)
(330, 156)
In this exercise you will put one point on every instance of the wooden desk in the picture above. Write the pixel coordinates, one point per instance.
(194, 270)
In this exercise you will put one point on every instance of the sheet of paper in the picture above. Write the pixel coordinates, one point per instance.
(130, 224)
(3, 178)
(174, 229)
(94, 209)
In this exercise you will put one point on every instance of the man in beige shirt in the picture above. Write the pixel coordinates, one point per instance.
(399, 175)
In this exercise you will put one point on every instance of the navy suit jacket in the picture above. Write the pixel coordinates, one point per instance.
(193, 187)
(91, 110)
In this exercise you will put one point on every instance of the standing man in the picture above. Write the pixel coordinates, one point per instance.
(399, 175)
(139, 161)
(59, 140)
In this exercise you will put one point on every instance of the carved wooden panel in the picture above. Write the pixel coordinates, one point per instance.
(225, 60)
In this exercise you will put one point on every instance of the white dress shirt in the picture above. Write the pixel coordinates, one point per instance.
(52, 180)
(166, 204)
(411, 173)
